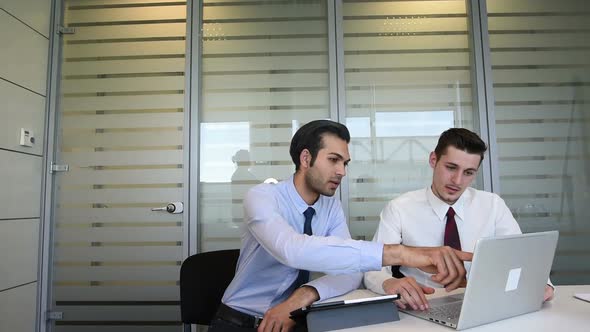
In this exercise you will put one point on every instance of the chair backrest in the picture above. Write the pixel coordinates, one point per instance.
(203, 280)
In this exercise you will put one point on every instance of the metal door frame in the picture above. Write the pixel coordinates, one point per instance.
(47, 190)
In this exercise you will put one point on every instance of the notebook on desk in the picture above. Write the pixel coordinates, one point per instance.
(507, 278)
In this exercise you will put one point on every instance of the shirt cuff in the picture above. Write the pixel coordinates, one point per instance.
(552, 286)
(374, 280)
(322, 289)
(329, 286)
(371, 256)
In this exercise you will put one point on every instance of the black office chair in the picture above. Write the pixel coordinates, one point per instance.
(203, 280)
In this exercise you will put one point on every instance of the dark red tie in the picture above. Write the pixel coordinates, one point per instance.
(451, 233)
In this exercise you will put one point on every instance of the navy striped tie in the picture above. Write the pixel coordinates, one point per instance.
(303, 276)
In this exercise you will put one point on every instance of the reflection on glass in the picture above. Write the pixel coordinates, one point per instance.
(218, 141)
(409, 124)
(243, 171)
(359, 126)
(408, 78)
(264, 74)
(401, 124)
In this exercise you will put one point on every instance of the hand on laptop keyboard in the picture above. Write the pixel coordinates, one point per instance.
(412, 292)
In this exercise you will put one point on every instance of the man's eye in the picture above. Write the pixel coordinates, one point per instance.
(469, 173)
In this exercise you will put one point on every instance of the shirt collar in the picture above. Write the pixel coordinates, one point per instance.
(296, 199)
(440, 208)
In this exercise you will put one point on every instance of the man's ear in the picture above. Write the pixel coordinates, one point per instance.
(305, 158)
(432, 159)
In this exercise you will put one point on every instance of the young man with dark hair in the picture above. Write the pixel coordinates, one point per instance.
(449, 212)
(462, 139)
(297, 226)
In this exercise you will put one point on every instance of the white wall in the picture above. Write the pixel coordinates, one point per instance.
(24, 36)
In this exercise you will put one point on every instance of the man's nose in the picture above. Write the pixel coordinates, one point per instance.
(456, 178)
(341, 169)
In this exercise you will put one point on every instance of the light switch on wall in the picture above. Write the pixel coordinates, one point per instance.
(27, 137)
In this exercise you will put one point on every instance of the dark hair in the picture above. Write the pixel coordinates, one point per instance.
(310, 137)
(461, 139)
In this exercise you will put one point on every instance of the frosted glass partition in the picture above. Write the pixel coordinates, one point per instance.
(264, 74)
(541, 73)
(121, 114)
(408, 78)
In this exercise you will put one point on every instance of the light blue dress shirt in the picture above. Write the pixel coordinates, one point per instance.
(274, 249)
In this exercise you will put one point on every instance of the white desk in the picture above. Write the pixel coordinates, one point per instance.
(563, 314)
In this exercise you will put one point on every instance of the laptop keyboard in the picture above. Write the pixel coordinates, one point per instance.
(447, 312)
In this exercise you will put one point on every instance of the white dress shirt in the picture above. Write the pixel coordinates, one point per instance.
(418, 218)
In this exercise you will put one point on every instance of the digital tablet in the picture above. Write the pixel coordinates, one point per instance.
(343, 303)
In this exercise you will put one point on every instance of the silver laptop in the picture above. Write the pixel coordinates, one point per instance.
(507, 278)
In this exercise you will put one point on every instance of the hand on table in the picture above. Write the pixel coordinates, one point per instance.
(278, 318)
(549, 292)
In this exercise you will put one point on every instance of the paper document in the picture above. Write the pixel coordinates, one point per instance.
(583, 296)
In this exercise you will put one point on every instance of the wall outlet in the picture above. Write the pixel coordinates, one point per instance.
(27, 137)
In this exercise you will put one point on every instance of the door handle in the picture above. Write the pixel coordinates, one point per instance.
(174, 207)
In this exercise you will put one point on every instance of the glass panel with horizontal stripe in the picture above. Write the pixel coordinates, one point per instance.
(408, 73)
(121, 114)
(540, 53)
(264, 74)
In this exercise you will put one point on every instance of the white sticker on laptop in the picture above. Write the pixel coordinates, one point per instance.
(513, 278)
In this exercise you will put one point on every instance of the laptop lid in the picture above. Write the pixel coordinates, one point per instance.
(507, 277)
